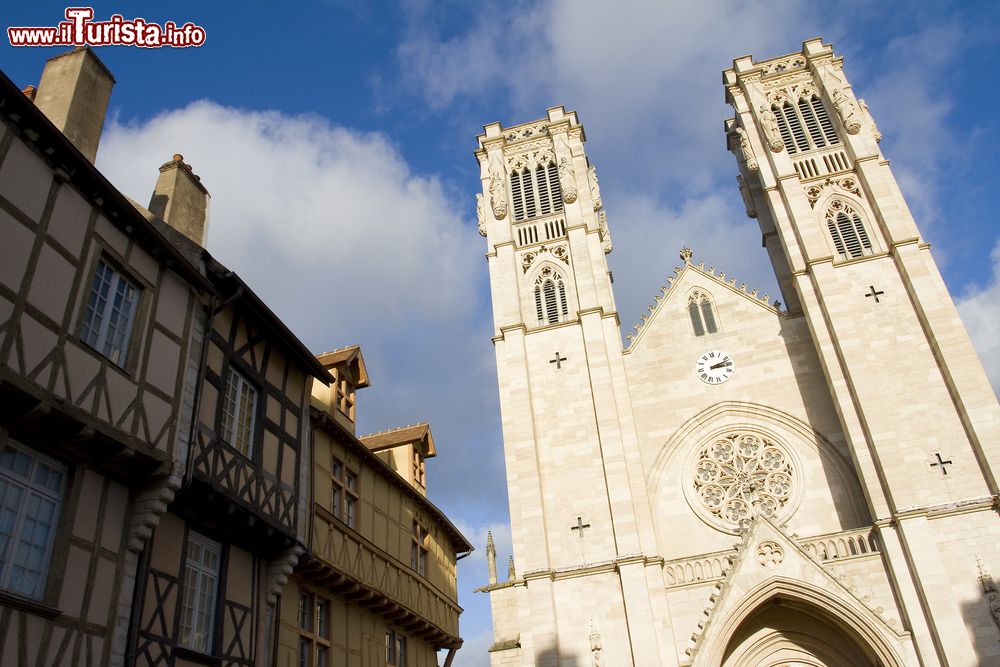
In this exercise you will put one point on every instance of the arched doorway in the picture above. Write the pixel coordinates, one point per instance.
(792, 633)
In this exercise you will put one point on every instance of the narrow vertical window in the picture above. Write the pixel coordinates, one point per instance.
(544, 203)
(795, 125)
(351, 499)
(786, 134)
(110, 313)
(702, 314)
(708, 316)
(554, 188)
(699, 328)
(337, 488)
(824, 120)
(31, 493)
(516, 196)
(314, 630)
(538, 304)
(528, 189)
(812, 123)
(200, 586)
(418, 548)
(551, 307)
(239, 410)
(847, 230)
(562, 299)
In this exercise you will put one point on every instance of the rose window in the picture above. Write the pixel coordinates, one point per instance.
(736, 473)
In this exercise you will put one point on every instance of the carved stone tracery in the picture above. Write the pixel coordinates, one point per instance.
(845, 184)
(739, 472)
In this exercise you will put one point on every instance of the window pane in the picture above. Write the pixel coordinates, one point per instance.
(349, 506)
(323, 618)
(200, 588)
(322, 656)
(30, 496)
(699, 328)
(93, 318)
(305, 648)
(708, 315)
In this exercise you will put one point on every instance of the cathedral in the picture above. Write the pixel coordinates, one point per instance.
(803, 479)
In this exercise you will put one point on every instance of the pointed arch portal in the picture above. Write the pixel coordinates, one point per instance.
(788, 623)
(789, 633)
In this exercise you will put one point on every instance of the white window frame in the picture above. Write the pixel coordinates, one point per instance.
(100, 329)
(233, 410)
(29, 488)
(205, 587)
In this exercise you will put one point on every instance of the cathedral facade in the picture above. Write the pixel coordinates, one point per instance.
(807, 479)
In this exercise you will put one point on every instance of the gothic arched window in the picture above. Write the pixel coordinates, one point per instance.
(847, 230)
(551, 305)
(535, 192)
(702, 314)
(806, 125)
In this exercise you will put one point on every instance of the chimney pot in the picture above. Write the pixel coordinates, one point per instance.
(181, 200)
(74, 92)
(29, 92)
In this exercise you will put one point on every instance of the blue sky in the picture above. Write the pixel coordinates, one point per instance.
(337, 141)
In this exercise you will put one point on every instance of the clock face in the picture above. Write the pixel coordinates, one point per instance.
(715, 367)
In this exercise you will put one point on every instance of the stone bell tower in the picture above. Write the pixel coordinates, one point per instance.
(579, 515)
(920, 418)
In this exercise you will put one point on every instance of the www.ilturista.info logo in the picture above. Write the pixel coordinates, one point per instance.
(81, 30)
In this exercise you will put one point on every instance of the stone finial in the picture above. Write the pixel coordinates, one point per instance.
(686, 254)
(510, 569)
(491, 557)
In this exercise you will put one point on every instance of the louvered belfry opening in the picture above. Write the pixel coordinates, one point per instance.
(805, 126)
(551, 302)
(848, 232)
(537, 192)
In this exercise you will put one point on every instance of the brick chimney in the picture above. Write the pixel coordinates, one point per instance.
(74, 94)
(181, 200)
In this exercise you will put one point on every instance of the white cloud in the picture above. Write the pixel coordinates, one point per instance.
(980, 310)
(329, 225)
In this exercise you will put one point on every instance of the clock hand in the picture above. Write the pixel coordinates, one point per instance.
(720, 365)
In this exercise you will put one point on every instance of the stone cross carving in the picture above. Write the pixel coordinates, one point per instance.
(498, 190)
(746, 149)
(940, 462)
(557, 361)
(848, 112)
(874, 293)
(770, 124)
(580, 525)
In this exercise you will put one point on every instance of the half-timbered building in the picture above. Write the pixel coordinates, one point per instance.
(98, 319)
(169, 450)
(377, 584)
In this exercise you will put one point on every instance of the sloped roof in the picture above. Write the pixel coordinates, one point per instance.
(720, 277)
(352, 358)
(397, 436)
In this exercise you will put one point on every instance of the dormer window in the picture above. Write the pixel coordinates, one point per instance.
(345, 394)
(419, 471)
